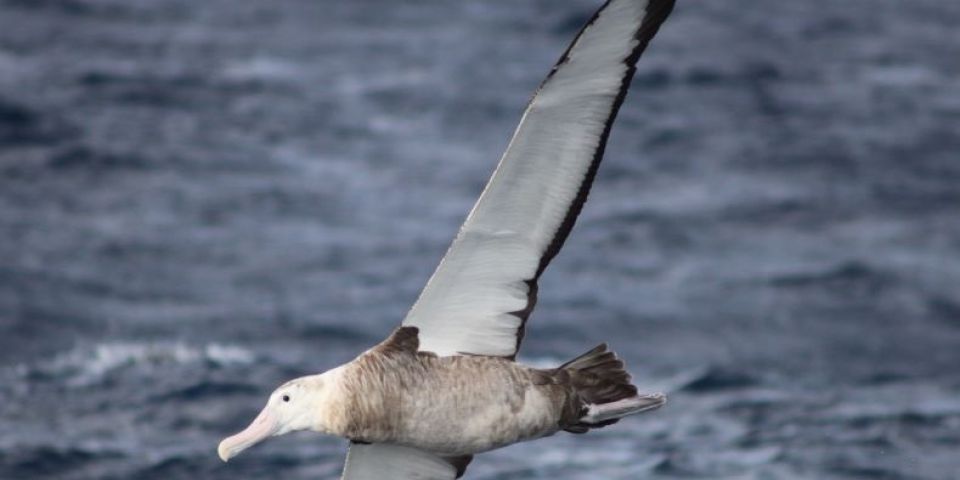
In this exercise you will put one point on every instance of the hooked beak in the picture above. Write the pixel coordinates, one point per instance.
(262, 427)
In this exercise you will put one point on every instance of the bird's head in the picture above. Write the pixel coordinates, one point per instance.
(296, 405)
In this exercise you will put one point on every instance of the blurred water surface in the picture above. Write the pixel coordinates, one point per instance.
(200, 200)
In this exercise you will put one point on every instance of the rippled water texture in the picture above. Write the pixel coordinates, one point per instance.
(202, 199)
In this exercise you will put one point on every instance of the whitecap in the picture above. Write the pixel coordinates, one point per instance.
(90, 364)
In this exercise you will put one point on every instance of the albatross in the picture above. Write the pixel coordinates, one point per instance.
(445, 385)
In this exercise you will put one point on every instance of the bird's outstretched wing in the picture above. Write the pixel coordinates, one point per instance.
(381, 461)
(480, 296)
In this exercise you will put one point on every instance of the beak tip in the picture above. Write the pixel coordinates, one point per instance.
(264, 426)
(223, 452)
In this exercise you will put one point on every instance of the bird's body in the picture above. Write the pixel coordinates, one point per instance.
(465, 404)
(444, 385)
(456, 405)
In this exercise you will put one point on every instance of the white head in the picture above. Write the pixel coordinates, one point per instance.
(296, 405)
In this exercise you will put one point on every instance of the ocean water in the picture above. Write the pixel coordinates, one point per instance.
(201, 200)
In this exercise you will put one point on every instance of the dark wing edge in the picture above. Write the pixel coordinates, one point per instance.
(482, 293)
(657, 13)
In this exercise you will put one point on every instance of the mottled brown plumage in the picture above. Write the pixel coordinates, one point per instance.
(462, 405)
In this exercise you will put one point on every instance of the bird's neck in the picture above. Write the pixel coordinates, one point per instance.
(330, 405)
(369, 396)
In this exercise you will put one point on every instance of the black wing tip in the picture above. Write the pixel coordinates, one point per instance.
(656, 12)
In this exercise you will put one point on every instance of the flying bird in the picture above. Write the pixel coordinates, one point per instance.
(444, 386)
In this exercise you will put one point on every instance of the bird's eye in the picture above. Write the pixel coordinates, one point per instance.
(285, 398)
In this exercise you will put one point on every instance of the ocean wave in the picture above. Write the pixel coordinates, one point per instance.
(89, 365)
(48, 460)
(718, 378)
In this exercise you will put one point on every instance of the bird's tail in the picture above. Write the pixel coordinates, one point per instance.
(603, 390)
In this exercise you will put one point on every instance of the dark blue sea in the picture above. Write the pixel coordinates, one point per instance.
(200, 200)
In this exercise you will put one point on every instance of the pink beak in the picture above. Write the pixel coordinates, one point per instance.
(262, 427)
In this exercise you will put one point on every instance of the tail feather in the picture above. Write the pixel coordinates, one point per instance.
(602, 390)
(613, 411)
(598, 357)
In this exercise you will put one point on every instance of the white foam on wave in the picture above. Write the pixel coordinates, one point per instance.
(87, 365)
